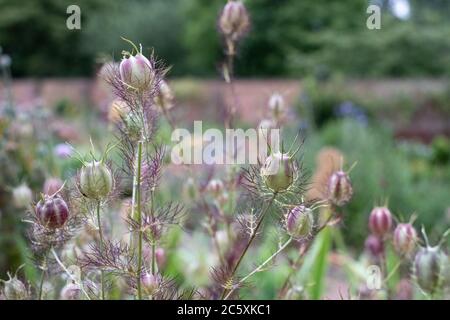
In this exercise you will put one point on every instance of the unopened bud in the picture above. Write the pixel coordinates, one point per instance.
(405, 238)
(234, 20)
(380, 221)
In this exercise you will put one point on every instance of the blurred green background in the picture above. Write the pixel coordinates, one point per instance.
(289, 38)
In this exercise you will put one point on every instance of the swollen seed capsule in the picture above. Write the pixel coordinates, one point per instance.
(15, 289)
(52, 212)
(374, 245)
(299, 222)
(137, 72)
(71, 291)
(428, 265)
(278, 172)
(340, 189)
(95, 180)
(405, 238)
(150, 283)
(22, 196)
(234, 20)
(380, 221)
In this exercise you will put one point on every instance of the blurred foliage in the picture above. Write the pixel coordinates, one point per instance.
(287, 38)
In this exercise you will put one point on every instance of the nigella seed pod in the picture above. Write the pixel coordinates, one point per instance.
(380, 221)
(137, 72)
(277, 105)
(150, 283)
(340, 189)
(405, 238)
(428, 265)
(278, 172)
(14, 289)
(374, 245)
(299, 222)
(95, 180)
(22, 196)
(71, 291)
(52, 211)
(234, 20)
(52, 186)
(165, 98)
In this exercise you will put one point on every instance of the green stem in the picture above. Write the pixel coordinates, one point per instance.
(139, 217)
(250, 241)
(100, 231)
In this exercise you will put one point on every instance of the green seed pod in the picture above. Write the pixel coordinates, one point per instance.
(15, 289)
(278, 172)
(428, 267)
(95, 180)
(299, 222)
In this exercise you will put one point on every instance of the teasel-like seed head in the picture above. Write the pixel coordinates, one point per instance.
(96, 180)
(234, 20)
(14, 289)
(52, 185)
(299, 222)
(340, 189)
(22, 196)
(374, 245)
(380, 221)
(150, 283)
(165, 98)
(428, 268)
(137, 72)
(278, 172)
(405, 238)
(71, 291)
(52, 211)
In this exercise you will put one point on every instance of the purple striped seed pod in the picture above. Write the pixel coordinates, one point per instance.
(137, 71)
(405, 238)
(52, 212)
(234, 20)
(374, 245)
(427, 268)
(299, 222)
(339, 187)
(380, 221)
(278, 172)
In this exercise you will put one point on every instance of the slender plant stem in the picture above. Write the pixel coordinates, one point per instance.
(102, 246)
(262, 265)
(44, 272)
(154, 241)
(137, 190)
(250, 241)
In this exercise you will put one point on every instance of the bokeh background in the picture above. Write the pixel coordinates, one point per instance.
(381, 97)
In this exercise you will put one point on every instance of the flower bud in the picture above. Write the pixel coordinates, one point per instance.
(14, 289)
(340, 189)
(95, 180)
(299, 222)
(150, 283)
(278, 172)
(234, 20)
(52, 186)
(22, 196)
(405, 238)
(380, 221)
(165, 98)
(71, 291)
(52, 212)
(374, 245)
(428, 265)
(137, 72)
(277, 105)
